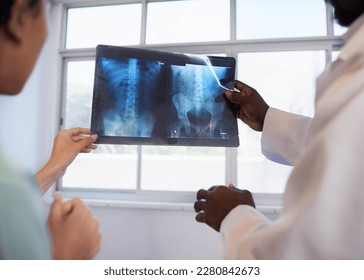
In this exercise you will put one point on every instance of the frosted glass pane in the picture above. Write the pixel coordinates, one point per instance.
(79, 88)
(182, 168)
(188, 21)
(110, 25)
(280, 18)
(339, 30)
(287, 81)
(102, 171)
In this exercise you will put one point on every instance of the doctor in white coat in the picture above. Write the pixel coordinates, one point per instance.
(323, 208)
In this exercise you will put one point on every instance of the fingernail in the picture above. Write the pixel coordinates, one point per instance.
(94, 136)
(228, 92)
(231, 186)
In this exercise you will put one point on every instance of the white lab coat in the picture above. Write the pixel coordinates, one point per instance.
(323, 208)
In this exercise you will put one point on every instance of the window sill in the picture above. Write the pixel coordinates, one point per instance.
(157, 205)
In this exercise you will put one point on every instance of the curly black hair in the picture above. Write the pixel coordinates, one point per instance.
(346, 13)
(5, 9)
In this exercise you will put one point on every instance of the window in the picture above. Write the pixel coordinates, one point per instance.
(280, 47)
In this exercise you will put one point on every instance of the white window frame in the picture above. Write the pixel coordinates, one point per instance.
(177, 200)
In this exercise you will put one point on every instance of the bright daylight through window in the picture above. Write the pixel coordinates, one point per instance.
(279, 60)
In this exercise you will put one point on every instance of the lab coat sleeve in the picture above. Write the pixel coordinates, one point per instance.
(284, 136)
(236, 227)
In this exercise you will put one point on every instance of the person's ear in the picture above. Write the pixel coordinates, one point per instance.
(16, 26)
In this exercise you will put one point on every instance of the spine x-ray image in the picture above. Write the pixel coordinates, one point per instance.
(160, 98)
(129, 90)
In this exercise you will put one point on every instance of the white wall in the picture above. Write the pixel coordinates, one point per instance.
(19, 123)
(154, 234)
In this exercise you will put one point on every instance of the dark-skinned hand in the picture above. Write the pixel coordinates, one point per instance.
(214, 204)
(251, 106)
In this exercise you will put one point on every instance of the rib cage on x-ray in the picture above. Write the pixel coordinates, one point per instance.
(195, 96)
(131, 85)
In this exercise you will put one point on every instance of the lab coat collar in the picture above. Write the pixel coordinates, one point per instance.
(354, 40)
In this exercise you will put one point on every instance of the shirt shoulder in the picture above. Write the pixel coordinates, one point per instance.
(23, 231)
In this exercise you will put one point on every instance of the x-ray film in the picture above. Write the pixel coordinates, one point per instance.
(146, 97)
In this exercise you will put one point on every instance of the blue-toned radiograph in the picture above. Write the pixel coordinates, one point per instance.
(129, 90)
(152, 97)
(198, 99)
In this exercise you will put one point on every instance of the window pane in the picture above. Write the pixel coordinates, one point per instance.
(286, 80)
(334, 55)
(280, 18)
(112, 25)
(182, 168)
(188, 21)
(110, 166)
(79, 88)
(339, 30)
(103, 171)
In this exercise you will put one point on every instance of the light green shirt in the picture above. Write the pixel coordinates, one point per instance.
(23, 228)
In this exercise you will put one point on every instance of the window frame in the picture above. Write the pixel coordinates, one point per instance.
(232, 47)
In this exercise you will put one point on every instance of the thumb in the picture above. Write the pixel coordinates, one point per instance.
(87, 141)
(67, 207)
(235, 97)
(56, 208)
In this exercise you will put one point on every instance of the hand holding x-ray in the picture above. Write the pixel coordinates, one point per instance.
(251, 106)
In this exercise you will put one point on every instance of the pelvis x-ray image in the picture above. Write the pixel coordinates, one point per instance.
(197, 97)
(129, 102)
